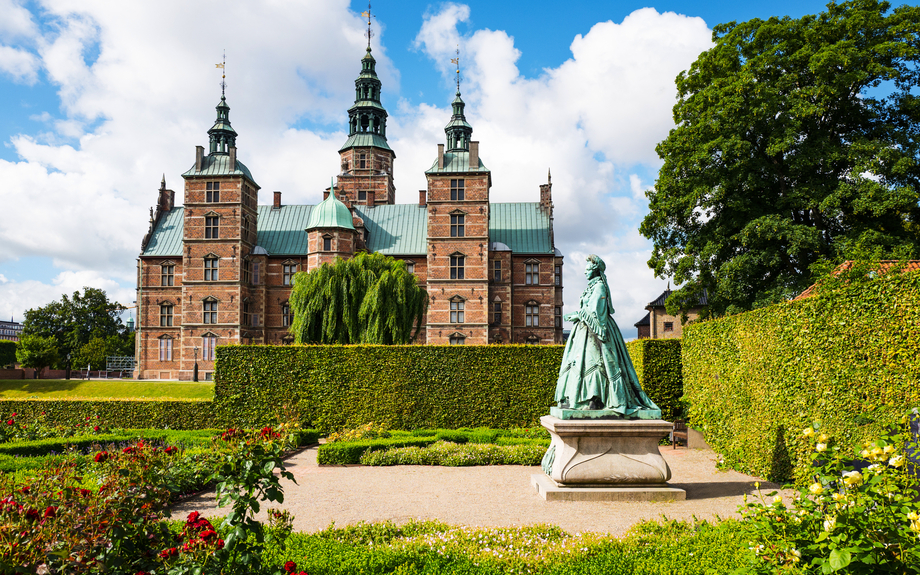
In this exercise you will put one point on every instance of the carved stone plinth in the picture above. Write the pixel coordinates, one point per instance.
(606, 452)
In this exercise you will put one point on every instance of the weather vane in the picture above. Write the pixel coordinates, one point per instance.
(368, 15)
(223, 75)
(456, 61)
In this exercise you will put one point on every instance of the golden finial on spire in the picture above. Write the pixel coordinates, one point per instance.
(368, 15)
(223, 75)
(456, 61)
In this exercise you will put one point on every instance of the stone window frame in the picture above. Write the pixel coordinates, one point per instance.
(168, 273)
(410, 266)
(288, 270)
(166, 314)
(668, 326)
(557, 317)
(362, 161)
(212, 193)
(362, 195)
(557, 275)
(165, 347)
(456, 338)
(457, 224)
(327, 242)
(212, 270)
(457, 189)
(532, 313)
(457, 309)
(496, 271)
(247, 270)
(532, 272)
(209, 309)
(211, 226)
(496, 310)
(287, 316)
(209, 343)
(256, 273)
(457, 266)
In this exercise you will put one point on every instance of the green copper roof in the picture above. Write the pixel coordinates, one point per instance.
(330, 213)
(523, 226)
(219, 165)
(166, 239)
(364, 139)
(399, 229)
(456, 162)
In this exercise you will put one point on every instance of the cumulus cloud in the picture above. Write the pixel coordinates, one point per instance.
(20, 65)
(17, 297)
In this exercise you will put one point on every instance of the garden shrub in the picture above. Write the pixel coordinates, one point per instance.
(400, 387)
(344, 453)
(123, 413)
(457, 455)
(848, 357)
(658, 365)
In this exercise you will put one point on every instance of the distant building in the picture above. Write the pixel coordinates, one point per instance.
(10, 330)
(220, 268)
(657, 324)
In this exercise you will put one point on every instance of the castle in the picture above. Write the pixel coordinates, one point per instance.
(219, 269)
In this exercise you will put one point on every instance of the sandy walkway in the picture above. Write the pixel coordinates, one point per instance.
(486, 496)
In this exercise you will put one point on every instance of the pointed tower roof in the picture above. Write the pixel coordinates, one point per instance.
(222, 134)
(330, 213)
(367, 118)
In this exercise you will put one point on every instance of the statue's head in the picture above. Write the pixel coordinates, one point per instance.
(596, 266)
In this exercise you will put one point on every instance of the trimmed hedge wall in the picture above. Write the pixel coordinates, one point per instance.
(401, 387)
(658, 365)
(123, 413)
(848, 357)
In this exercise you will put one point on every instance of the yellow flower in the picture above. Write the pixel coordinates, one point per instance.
(808, 432)
(830, 523)
(777, 499)
(821, 447)
(913, 516)
(816, 489)
(864, 454)
(852, 477)
(839, 496)
(823, 438)
(896, 461)
(889, 448)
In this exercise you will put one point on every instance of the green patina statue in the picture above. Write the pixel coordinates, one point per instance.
(597, 378)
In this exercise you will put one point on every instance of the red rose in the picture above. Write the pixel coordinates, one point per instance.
(10, 422)
(193, 516)
(101, 456)
(32, 515)
(219, 544)
(95, 428)
(128, 450)
(85, 492)
(51, 511)
(290, 566)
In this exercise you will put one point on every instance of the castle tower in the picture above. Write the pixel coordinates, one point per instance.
(220, 217)
(458, 237)
(366, 160)
(330, 232)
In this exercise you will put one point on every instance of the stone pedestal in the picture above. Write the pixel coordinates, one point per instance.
(606, 459)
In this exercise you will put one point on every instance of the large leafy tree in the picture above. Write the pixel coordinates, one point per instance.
(37, 352)
(369, 298)
(796, 147)
(74, 321)
(7, 353)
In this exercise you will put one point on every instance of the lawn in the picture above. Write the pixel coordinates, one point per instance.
(78, 389)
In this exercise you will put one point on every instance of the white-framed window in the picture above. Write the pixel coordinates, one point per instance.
(209, 311)
(362, 195)
(287, 273)
(457, 225)
(457, 190)
(410, 267)
(210, 269)
(208, 347)
(532, 274)
(532, 314)
(166, 315)
(457, 339)
(212, 192)
(166, 347)
(167, 275)
(287, 318)
(211, 227)
(456, 267)
(456, 310)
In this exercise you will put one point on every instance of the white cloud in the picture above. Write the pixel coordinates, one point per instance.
(17, 22)
(17, 297)
(20, 65)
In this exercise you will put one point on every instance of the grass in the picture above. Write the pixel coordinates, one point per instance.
(79, 389)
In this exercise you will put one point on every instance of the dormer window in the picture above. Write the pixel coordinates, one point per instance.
(212, 192)
(457, 339)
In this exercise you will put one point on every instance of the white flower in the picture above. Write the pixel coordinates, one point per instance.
(874, 468)
(821, 447)
(830, 523)
(896, 461)
(888, 448)
(808, 432)
(816, 489)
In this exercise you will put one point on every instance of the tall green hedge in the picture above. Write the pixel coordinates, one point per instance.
(123, 413)
(848, 357)
(658, 365)
(403, 387)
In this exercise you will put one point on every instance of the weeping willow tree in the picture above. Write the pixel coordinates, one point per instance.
(370, 298)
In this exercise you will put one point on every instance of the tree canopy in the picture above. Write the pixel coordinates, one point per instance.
(74, 321)
(796, 148)
(370, 298)
(7, 353)
(37, 352)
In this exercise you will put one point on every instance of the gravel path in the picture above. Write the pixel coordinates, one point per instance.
(486, 496)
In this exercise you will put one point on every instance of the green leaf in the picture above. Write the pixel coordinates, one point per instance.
(839, 558)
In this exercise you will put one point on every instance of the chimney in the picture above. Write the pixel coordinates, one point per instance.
(325, 194)
(232, 158)
(474, 155)
(276, 204)
(199, 158)
(440, 156)
(371, 195)
(422, 197)
(546, 194)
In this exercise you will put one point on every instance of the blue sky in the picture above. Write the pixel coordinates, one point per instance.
(101, 99)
